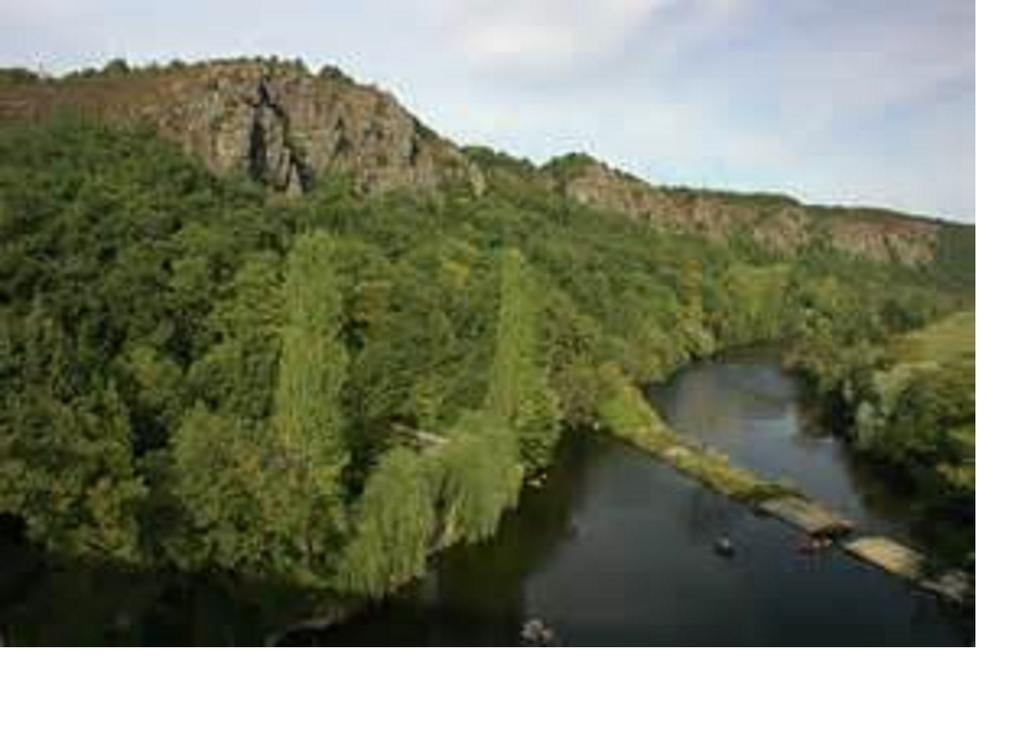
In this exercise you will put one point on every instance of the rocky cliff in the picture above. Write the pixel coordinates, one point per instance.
(289, 128)
(776, 223)
(272, 120)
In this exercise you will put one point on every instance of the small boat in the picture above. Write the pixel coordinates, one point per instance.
(814, 544)
(535, 633)
(724, 547)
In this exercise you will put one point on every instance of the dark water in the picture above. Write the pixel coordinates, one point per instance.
(615, 549)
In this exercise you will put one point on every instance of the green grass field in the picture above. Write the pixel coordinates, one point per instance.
(942, 342)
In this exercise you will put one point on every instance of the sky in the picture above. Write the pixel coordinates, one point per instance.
(832, 101)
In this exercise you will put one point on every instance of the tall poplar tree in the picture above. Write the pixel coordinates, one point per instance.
(308, 410)
(309, 419)
(519, 391)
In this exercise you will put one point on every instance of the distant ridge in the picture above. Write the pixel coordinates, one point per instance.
(289, 128)
(273, 120)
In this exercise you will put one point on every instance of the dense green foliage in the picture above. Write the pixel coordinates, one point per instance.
(626, 414)
(519, 391)
(909, 402)
(395, 525)
(915, 404)
(197, 373)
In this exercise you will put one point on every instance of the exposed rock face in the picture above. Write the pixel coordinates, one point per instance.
(275, 121)
(907, 240)
(288, 128)
(776, 223)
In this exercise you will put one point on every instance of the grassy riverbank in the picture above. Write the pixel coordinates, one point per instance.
(626, 414)
(200, 375)
(914, 406)
(908, 403)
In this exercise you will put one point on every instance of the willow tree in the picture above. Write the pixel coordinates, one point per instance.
(520, 393)
(480, 477)
(394, 523)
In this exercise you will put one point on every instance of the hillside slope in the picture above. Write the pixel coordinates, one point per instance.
(199, 373)
(778, 224)
(274, 121)
(288, 128)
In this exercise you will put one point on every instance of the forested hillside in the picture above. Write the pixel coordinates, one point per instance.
(275, 121)
(198, 372)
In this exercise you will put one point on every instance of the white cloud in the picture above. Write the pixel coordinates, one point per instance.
(820, 98)
(534, 37)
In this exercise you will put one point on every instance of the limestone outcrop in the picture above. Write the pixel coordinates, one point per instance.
(775, 223)
(274, 121)
(288, 128)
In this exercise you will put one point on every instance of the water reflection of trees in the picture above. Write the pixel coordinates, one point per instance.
(491, 578)
(713, 402)
(74, 604)
(474, 595)
(709, 515)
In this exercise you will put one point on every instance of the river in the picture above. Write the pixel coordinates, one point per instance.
(617, 549)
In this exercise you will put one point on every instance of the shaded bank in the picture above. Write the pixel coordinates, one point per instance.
(617, 549)
(629, 417)
(614, 549)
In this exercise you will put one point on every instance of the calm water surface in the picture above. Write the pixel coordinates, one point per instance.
(615, 549)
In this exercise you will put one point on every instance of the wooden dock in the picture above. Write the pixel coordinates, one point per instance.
(771, 498)
(804, 514)
(814, 519)
(909, 564)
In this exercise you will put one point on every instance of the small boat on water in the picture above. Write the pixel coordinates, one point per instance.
(724, 547)
(814, 544)
(535, 633)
